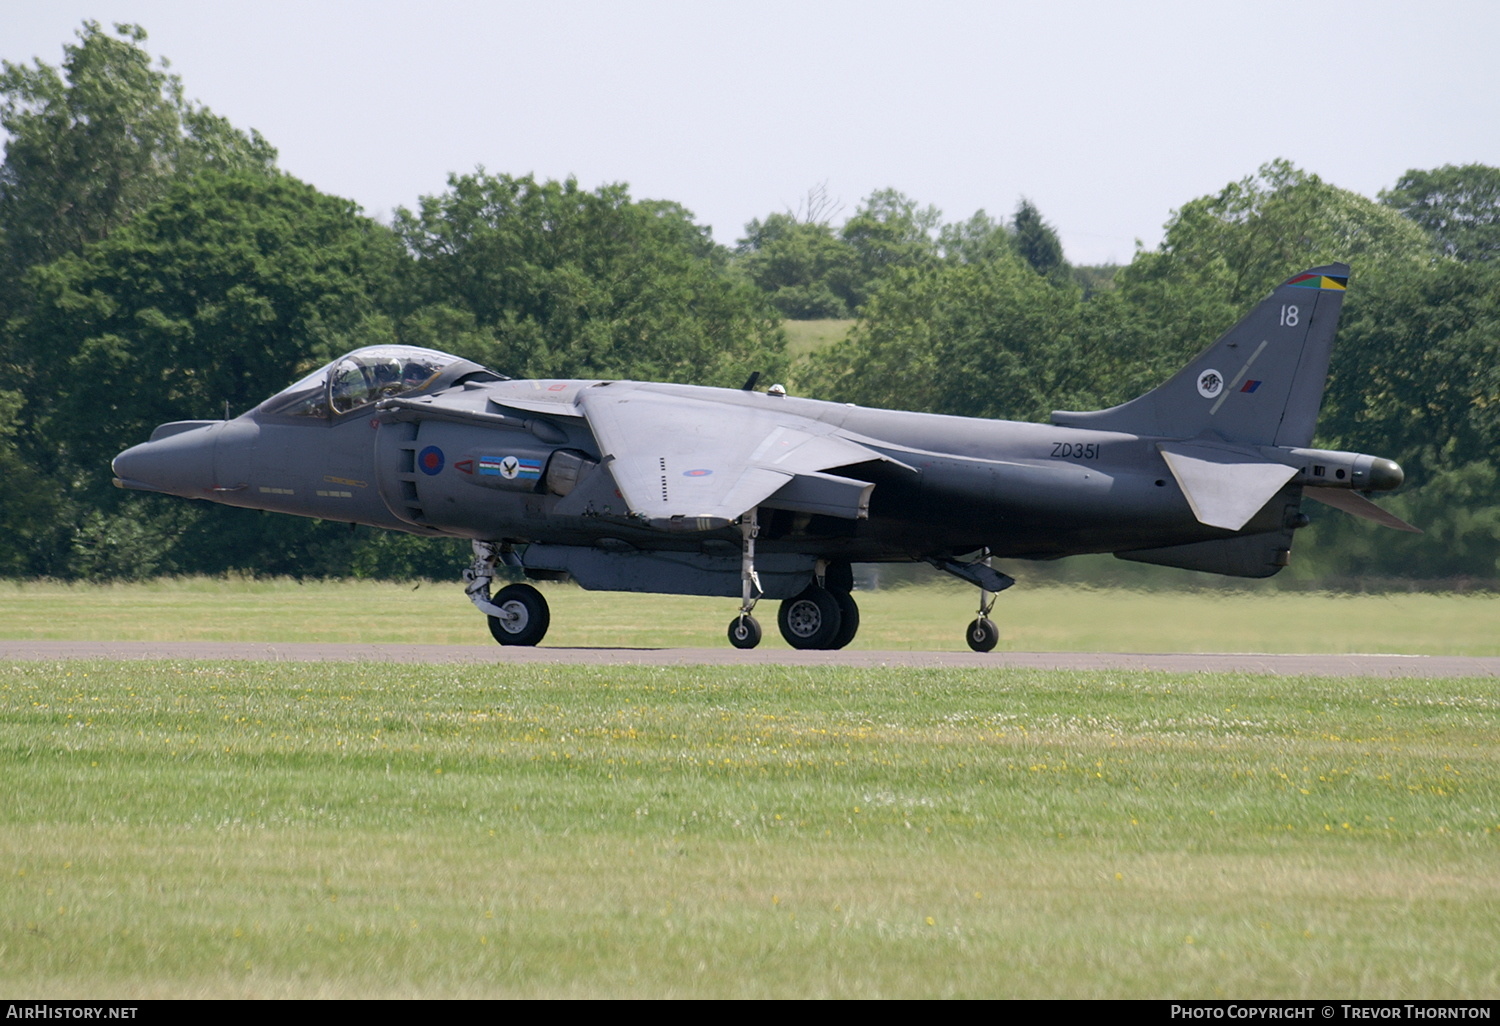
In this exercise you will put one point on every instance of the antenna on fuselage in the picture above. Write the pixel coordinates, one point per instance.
(750, 381)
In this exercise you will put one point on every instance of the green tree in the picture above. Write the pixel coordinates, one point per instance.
(1223, 253)
(1458, 206)
(29, 503)
(1460, 543)
(1416, 371)
(794, 263)
(979, 239)
(565, 282)
(1258, 231)
(96, 141)
(887, 232)
(990, 339)
(1036, 242)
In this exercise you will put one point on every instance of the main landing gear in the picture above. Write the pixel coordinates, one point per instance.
(823, 616)
(518, 615)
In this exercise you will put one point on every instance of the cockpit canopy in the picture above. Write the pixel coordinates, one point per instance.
(366, 376)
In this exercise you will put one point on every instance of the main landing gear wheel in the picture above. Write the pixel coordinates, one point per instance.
(982, 635)
(848, 620)
(811, 620)
(528, 615)
(744, 632)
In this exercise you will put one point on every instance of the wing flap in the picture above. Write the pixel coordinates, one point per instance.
(823, 493)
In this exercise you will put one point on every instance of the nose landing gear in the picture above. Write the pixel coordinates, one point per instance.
(526, 616)
(518, 615)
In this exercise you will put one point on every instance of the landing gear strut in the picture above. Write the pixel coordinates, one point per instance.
(744, 630)
(823, 616)
(518, 615)
(983, 635)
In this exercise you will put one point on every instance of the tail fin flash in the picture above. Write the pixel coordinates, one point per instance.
(1260, 384)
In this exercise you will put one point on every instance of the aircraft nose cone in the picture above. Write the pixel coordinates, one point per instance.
(179, 462)
(1385, 475)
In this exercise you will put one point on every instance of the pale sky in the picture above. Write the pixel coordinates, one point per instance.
(1107, 115)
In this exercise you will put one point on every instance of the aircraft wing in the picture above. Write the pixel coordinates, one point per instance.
(692, 464)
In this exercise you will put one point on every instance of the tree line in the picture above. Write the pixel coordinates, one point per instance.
(156, 264)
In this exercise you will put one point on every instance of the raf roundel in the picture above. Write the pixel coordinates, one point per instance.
(430, 460)
(700, 472)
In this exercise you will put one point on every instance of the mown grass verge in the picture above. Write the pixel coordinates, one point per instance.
(212, 830)
(926, 617)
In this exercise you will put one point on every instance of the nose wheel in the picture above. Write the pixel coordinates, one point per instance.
(525, 616)
(518, 614)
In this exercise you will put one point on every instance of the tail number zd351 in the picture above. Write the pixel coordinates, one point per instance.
(1075, 450)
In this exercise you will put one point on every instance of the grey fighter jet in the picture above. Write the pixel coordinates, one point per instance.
(678, 489)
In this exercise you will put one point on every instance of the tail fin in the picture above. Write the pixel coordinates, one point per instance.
(1260, 384)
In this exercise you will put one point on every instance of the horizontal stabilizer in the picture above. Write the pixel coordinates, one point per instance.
(1357, 505)
(1224, 488)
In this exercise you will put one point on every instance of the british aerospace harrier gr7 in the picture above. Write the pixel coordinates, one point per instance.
(678, 489)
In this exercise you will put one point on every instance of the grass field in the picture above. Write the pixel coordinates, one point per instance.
(931, 616)
(804, 338)
(193, 829)
(346, 830)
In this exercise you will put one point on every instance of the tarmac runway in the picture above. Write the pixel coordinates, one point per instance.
(1283, 665)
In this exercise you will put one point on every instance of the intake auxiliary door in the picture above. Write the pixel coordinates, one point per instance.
(403, 463)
